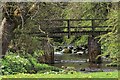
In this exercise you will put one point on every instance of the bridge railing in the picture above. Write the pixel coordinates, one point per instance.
(68, 29)
(81, 30)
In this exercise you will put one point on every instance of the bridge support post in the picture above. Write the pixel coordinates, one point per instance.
(94, 49)
(48, 56)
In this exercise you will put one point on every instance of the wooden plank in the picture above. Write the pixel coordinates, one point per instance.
(63, 32)
(68, 25)
(38, 34)
(93, 24)
(59, 35)
(90, 26)
(50, 35)
(70, 19)
(58, 27)
(81, 32)
(29, 33)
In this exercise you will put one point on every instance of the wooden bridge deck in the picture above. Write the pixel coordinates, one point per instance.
(65, 33)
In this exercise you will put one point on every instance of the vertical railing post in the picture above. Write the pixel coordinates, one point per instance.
(68, 25)
(93, 24)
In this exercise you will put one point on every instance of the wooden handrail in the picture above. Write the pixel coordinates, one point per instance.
(70, 19)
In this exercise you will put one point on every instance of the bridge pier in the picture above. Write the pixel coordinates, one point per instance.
(48, 56)
(94, 49)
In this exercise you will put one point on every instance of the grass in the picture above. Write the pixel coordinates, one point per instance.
(67, 75)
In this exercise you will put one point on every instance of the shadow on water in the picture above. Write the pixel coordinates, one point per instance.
(79, 62)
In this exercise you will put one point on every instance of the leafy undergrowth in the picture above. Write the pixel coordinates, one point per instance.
(72, 74)
(13, 64)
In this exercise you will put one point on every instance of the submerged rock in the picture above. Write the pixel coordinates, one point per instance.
(59, 48)
(82, 69)
(80, 53)
(65, 50)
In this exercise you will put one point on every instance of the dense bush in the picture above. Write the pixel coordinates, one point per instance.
(13, 63)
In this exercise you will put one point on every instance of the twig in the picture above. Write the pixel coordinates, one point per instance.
(48, 40)
(41, 30)
(35, 12)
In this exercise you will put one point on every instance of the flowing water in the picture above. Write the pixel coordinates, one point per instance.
(78, 62)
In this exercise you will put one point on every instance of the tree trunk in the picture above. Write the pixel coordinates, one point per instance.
(10, 22)
(6, 34)
(7, 26)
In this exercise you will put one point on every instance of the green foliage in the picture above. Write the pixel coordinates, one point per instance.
(82, 40)
(38, 53)
(96, 10)
(68, 41)
(110, 41)
(13, 64)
